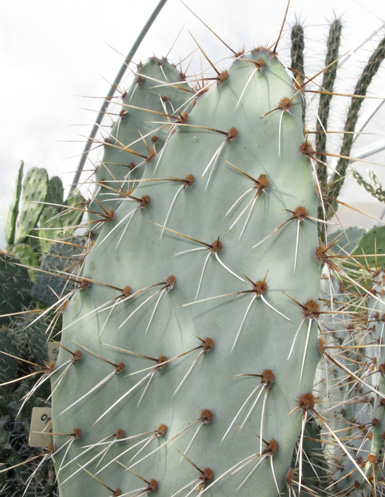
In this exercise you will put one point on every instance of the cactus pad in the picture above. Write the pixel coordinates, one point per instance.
(35, 190)
(198, 303)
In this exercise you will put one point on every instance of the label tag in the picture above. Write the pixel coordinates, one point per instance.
(41, 427)
(53, 351)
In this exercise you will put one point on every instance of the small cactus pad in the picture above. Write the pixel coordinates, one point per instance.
(13, 210)
(55, 190)
(35, 190)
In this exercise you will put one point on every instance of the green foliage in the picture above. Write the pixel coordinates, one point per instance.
(31, 477)
(8, 366)
(24, 338)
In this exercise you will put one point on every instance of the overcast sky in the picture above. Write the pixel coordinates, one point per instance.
(55, 54)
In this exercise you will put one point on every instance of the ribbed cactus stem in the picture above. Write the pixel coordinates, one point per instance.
(297, 57)
(360, 91)
(326, 91)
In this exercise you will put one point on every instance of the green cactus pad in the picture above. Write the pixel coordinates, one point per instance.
(13, 210)
(72, 213)
(375, 334)
(185, 320)
(60, 221)
(27, 256)
(362, 416)
(347, 239)
(55, 191)
(50, 227)
(35, 190)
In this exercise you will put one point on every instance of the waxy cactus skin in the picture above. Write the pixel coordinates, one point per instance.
(189, 314)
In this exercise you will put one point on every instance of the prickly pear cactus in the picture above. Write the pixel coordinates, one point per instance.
(13, 209)
(35, 190)
(191, 340)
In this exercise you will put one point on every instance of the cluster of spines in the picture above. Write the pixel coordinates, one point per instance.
(349, 379)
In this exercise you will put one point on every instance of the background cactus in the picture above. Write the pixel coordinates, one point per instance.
(39, 215)
(24, 339)
(348, 385)
(374, 187)
(31, 282)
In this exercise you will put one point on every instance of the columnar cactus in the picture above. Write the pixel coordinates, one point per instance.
(197, 305)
